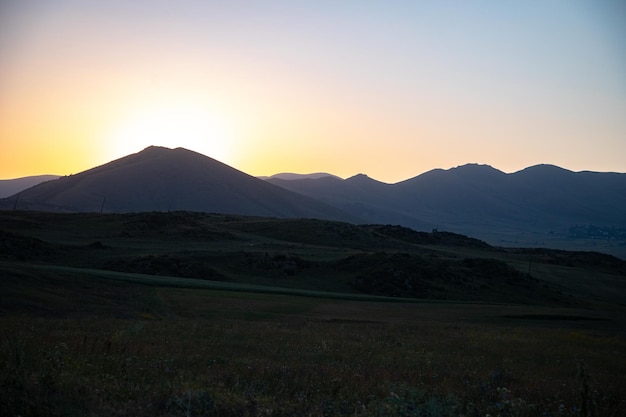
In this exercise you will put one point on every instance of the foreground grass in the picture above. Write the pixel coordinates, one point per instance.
(228, 367)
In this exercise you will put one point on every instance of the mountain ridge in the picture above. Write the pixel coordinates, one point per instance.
(526, 207)
(32, 180)
(293, 176)
(529, 206)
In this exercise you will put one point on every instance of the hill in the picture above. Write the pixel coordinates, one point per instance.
(14, 186)
(162, 179)
(311, 254)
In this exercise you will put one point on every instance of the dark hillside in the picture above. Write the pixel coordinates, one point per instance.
(162, 179)
(424, 238)
(312, 255)
(576, 259)
(475, 279)
(533, 207)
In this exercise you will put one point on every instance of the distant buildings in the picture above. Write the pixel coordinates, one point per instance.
(598, 232)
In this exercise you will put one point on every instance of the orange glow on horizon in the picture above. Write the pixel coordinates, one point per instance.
(387, 89)
(172, 124)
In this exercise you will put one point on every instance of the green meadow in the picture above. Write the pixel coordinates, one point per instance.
(188, 314)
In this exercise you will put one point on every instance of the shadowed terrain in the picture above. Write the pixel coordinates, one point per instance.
(308, 254)
(183, 313)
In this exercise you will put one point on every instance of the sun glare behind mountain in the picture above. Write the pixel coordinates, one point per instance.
(172, 125)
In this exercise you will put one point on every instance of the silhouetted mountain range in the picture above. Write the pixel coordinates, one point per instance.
(292, 176)
(162, 179)
(476, 200)
(479, 200)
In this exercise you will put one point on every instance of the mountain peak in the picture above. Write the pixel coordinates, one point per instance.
(155, 148)
(164, 150)
(477, 168)
(544, 169)
(363, 179)
(359, 177)
(293, 176)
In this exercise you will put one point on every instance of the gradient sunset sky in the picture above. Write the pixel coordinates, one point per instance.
(386, 88)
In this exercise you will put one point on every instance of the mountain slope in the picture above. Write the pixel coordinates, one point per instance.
(292, 176)
(360, 195)
(14, 186)
(480, 200)
(160, 179)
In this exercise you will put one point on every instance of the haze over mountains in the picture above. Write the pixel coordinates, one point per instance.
(524, 207)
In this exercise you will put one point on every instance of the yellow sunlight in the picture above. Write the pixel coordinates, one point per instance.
(172, 125)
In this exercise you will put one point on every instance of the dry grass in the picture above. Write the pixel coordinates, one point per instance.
(280, 367)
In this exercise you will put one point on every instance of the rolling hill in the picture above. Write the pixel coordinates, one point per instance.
(309, 254)
(162, 179)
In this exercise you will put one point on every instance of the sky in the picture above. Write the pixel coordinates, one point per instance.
(387, 88)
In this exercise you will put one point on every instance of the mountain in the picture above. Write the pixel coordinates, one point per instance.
(542, 197)
(542, 205)
(360, 195)
(163, 179)
(292, 176)
(481, 201)
(14, 186)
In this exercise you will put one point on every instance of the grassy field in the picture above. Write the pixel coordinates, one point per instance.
(163, 351)
(79, 339)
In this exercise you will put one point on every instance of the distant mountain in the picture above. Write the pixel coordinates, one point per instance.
(292, 176)
(14, 186)
(480, 200)
(162, 179)
(542, 197)
(359, 195)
